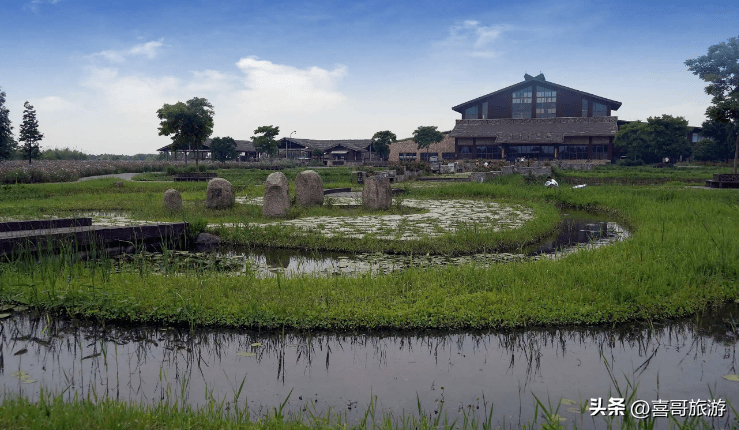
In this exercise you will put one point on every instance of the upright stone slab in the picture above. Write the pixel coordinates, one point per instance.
(276, 197)
(220, 194)
(377, 193)
(172, 200)
(309, 188)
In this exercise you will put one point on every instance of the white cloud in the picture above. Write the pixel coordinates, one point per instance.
(33, 5)
(148, 50)
(472, 39)
(280, 89)
(53, 104)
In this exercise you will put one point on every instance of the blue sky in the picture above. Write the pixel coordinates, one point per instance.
(96, 72)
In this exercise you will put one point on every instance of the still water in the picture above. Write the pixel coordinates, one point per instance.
(467, 372)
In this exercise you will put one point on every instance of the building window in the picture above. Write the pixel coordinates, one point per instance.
(485, 110)
(599, 110)
(522, 103)
(448, 155)
(573, 152)
(530, 151)
(491, 152)
(425, 155)
(470, 113)
(546, 102)
(407, 156)
(584, 108)
(600, 152)
(695, 137)
(465, 152)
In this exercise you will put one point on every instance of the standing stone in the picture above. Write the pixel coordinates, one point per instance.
(309, 188)
(276, 197)
(220, 194)
(172, 200)
(377, 193)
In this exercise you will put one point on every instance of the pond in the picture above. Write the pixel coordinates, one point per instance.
(467, 372)
(579, 230)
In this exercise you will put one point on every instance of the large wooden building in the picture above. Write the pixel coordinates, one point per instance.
(536, 119)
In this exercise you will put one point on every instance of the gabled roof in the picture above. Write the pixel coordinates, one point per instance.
(324, 145)
(529, 80)
(540, 130)
(241, 146)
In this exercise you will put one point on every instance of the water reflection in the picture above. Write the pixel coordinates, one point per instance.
(467, 371)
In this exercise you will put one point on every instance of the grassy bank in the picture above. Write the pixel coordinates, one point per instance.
(682, 258)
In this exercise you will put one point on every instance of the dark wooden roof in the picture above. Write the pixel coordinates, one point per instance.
(542, 130)
(324, 145)
(614, 105)
(241, 146)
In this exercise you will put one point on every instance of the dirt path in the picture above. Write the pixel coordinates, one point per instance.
(124, 176)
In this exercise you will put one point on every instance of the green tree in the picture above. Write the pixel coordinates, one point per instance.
(266, 143)
(668, 137)
(317, 153)
(720, 67)
(29, 134)
(719, 142)
(7, 143)
(189, 123)
(632, 140)
(63, 154)
(223, 148)
(651, 141)
(424, 136)
(381, 142)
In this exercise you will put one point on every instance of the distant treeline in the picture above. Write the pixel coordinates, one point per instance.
(73, 154)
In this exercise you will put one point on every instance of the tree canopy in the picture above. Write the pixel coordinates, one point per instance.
(720, 68)
(424, 136)
(381, 142)
(223, 148)
(659, 137)
(7, 142)
(29, 134)
(190, 123)
(266, 143)
(718, 142)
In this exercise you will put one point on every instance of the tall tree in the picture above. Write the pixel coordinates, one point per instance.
(223, 148)
(659, 137)
(381, 142)
(424, 136)
(189, 123)
(29, 134)
(7, 143)
(718, 142)
(720, 67)
(266, 143)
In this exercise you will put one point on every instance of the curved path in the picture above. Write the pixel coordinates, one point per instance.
(124, 176)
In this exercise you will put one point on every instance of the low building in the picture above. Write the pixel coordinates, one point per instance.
(536, 119)
(337, 151)
(407, 150)
(245, 149)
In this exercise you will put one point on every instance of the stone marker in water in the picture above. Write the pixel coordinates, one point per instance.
(309, 188)
(172, 200)
(220, 194)
(276, 197)
(377, 193)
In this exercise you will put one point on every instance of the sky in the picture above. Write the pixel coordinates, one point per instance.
(97, 72)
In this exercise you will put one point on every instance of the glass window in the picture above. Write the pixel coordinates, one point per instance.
(407, 156)
(600, 152)
(465, 152)
(573, 152)
(522, 103)
(425, 156)
(695, 138)
(484, 110)
(448, 155)
(584, 108)
(546, 102)
(599, 110)
(470, 113)
(492, 152)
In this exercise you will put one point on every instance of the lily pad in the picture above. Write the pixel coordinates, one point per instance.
(568, 402)
(256, 344)
(734, 378)
(558, 418)
(246, 354)
(20, 374)
(28, 381)
(575, 410)
(3, 316)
